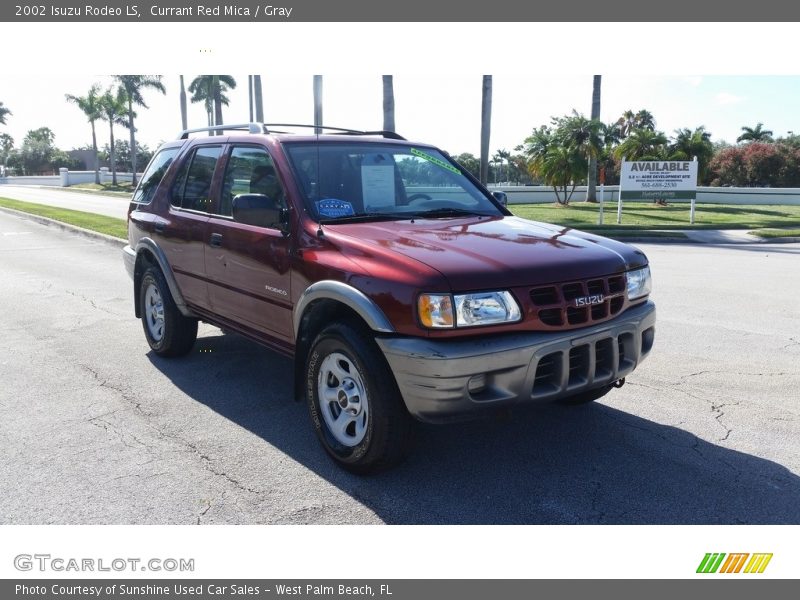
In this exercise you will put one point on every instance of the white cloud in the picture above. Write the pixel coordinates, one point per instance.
(694, 81)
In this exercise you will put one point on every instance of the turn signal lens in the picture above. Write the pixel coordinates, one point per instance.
(435, 310)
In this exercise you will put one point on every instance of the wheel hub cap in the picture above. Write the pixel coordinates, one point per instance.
(343, 399)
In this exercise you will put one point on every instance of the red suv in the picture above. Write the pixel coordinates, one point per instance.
(402, 287)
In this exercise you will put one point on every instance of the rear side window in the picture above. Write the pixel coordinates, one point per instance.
(192, 189)
(153, 175)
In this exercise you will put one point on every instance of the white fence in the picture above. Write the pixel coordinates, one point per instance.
(707, 195)
(66, 178)
(516, 194)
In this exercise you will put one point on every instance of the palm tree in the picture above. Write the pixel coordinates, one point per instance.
(591, 187)
(486, 126)
(210, 90)
(259, 98)
(610, 134)
(626, 123)
(4, 112)
(184, 119)
(644, 120)
(535, 148)
(133, 86)
(92, 106)
(755, 134)
(561, 167)
(388, 103)
(688, 144)
(503, 156)
(115, 112)
(641, 144)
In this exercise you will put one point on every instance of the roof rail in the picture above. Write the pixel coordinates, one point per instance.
(249, 127)
(264, 128)
(338, 130)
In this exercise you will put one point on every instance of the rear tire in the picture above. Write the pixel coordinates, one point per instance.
(355, 406)
(167, 331)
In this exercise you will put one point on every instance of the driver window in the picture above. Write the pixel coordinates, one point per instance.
(250, 170)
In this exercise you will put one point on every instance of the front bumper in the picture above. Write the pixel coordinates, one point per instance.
(129, 257)
(445, 380)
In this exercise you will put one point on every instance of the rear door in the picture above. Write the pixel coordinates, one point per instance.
(184, 233)
(248, 266)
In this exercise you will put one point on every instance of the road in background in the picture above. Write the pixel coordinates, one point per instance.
(96, 429)
(100, 204)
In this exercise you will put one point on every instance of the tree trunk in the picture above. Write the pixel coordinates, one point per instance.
(486, 126)
(250, 96)
(259, 98)
(317, 104)
(113, 157)
(388, 103)
(133, 142)
(96, 161)
(217, 104)
(184, 120)
(591, 188)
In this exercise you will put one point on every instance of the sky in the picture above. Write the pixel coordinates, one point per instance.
(442, 109)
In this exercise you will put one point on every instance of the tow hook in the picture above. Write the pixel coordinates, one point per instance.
(619, 383)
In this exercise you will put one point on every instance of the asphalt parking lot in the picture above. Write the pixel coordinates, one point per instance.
(96, 429)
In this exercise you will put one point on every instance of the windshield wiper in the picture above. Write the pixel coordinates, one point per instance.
(448, 212)
(364, 217)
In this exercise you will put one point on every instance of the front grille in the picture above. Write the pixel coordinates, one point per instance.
(556, 305)
(592, 364)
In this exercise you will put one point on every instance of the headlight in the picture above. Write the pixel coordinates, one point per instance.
(639, 283)
(467, 310)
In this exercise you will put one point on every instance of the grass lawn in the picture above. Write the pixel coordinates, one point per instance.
(776, 233)
(121, 189)
(100, 223)
(646, 215)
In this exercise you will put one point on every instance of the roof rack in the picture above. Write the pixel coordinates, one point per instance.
(249, 127)
(265, 128)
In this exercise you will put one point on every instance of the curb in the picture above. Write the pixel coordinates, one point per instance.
(95, 235)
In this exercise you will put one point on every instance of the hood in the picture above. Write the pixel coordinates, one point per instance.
(497, 252)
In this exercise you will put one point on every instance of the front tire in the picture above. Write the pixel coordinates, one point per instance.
(167, 331)
(355, 406)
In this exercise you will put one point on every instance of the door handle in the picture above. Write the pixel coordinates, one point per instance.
(216, 240)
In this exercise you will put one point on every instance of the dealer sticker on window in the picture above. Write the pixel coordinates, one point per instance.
(331, 208)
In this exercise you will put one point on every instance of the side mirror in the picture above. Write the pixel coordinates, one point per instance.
(501, 198)
(261, 211)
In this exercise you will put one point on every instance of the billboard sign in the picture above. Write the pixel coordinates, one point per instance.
(658, 180)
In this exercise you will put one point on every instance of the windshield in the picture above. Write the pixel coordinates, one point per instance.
(353, 181)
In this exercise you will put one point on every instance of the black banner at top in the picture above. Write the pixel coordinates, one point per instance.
(406, 10)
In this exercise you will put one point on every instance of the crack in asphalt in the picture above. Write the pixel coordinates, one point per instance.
(206, 460)
(792, 342)
(742, 373)
(90, 301)
(716, 409)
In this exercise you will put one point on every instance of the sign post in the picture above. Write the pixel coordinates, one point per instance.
(691, 209)
(619, 197)
(602, 195)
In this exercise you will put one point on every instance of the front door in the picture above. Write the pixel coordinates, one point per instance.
(247, 267)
